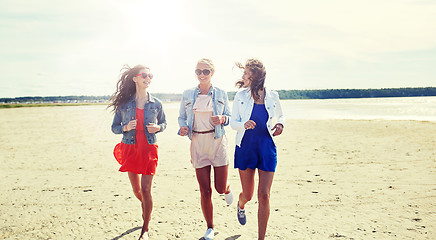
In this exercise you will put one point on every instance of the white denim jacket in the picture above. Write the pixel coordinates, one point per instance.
(243, 106)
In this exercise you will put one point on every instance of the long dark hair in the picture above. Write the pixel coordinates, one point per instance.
(257, 78)
(126, 87)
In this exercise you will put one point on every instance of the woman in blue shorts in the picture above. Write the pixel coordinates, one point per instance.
(253, 110)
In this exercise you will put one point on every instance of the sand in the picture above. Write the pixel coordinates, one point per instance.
(336, 179)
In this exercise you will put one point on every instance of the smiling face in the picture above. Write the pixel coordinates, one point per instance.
(202, 78)
(140, 81)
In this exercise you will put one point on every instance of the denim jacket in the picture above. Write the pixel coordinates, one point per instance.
(243, 106)
(220, 107)
(153, 113)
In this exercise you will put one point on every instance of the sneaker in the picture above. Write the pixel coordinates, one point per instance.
(209, 234)
(241, 215)
(229, 197)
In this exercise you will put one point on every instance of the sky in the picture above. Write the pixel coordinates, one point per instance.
(60, 48)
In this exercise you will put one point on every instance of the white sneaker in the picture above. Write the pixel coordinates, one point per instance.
(229, 197)
(209, 234)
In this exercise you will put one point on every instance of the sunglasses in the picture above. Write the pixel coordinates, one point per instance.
(204, 71)
(144, 75)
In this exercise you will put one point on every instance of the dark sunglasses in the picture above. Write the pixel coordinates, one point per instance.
(204, 71)
(144, 75)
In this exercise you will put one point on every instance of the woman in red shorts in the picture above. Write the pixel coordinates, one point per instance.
(138, 116)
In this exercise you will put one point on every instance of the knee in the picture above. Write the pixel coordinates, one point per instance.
(146, 193)
(206, 192)
(263, 196)
(137, 191)
(220, 189)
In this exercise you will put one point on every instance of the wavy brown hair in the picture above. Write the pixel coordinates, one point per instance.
(126, 87)
(257, 77)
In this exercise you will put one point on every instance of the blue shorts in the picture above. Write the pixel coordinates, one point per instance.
(263, 156)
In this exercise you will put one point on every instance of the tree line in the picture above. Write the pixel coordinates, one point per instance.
(353, 93)
(54, 99)
(284, 94)
(357, 93)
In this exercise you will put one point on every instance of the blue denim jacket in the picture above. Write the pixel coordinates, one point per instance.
(153, 113)
(220, 107)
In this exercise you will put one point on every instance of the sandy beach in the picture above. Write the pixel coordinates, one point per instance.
(336, 179)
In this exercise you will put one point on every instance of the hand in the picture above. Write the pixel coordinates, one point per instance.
(250, 124)
(278, 129)
(153, 128)
(130, 125)
(183, 131)
(218, 119)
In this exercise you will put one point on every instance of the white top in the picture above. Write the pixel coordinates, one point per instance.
(203, 110)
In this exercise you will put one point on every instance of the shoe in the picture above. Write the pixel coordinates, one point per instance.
(229, 197)
(209, 234)
(241, 215)
(144, 236)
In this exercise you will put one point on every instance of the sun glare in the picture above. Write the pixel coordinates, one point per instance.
(157, 21)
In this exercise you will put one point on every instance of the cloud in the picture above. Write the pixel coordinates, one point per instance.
(81, 45)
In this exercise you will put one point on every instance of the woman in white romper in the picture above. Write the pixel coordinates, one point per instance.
(205, 149)
(204, 111)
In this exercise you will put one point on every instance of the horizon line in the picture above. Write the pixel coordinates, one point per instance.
(320, 89)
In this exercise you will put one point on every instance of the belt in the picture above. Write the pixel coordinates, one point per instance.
(210, 131)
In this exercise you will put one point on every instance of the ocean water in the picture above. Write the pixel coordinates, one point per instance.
(405, 108)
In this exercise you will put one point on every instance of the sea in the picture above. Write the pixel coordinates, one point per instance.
(393, 108)
(404, 108)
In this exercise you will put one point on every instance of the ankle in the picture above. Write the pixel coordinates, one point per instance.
(228, 190)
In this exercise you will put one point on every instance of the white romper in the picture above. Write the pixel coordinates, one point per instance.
(205, 149)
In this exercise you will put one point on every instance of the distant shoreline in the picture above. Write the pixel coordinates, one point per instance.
(38, 101)
(106, 103)
(20, 105)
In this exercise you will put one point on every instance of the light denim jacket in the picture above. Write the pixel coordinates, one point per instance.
(153, 113)
(220, 107)
(243, 106)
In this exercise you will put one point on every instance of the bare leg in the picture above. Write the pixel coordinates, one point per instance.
(247, 182)
(147, 200)
(263, 194)
(135, 180)
(136, 184)
(221, 184)
(203, 178)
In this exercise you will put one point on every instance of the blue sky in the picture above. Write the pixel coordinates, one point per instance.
(52, 48)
